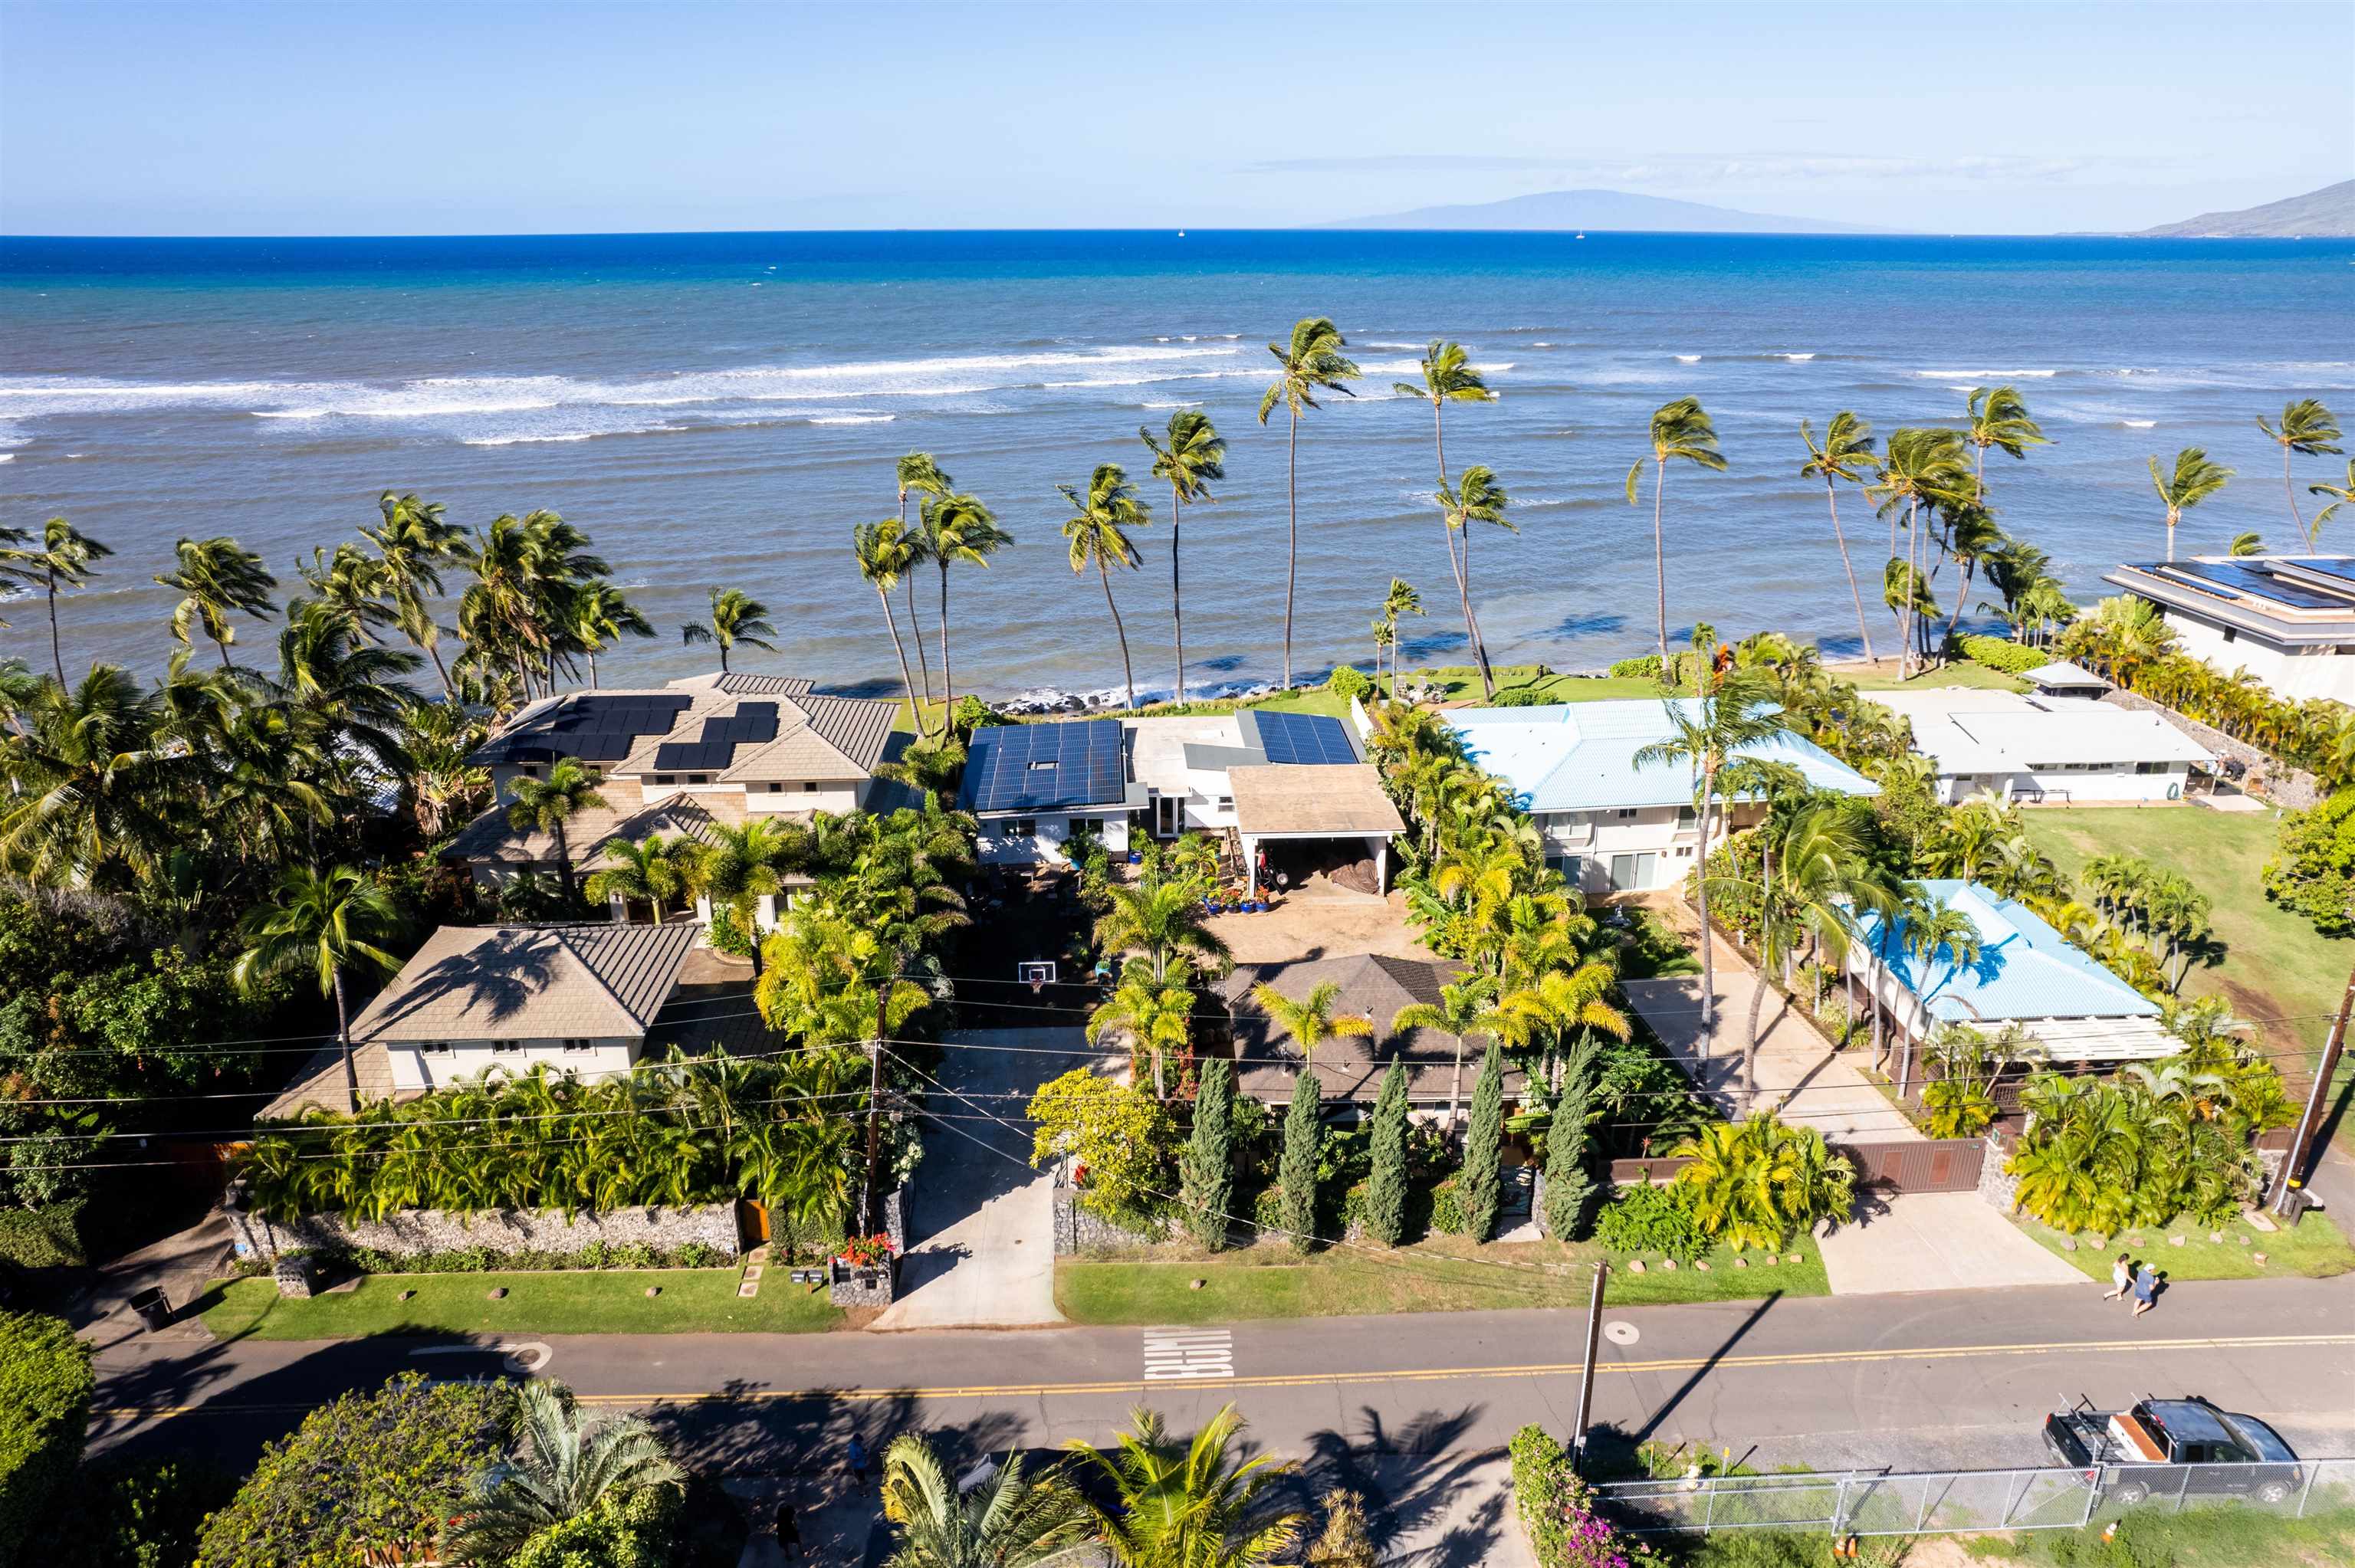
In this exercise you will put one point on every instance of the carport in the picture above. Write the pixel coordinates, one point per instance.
(1338, 807)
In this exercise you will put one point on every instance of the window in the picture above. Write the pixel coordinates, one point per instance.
(1226, 802)
(1625, 814)
(1684, 852)
(775, 788)
(698, 778)
(2150, 767)
(434, 1047)
(2231, 634)
(1022, 828)
(665, 778)
(578, 1047)
(1686, 816)
(1092, 826)
(529, 771)
(506, 1047)
(809, 787)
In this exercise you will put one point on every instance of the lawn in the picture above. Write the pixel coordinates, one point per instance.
(2314, 1248)
(2272, 965)
(1884, 678)
(693, 1301)
(1440, 1275)
(1461, 683)
(2226, 1535)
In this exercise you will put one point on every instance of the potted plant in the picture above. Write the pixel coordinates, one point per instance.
(866, 1257)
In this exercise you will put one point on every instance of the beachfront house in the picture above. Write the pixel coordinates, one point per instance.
(2065, 1004)
(1374, 986)
(1609, 824)
(1032, 786)
(2039, 748)
(2290, 620)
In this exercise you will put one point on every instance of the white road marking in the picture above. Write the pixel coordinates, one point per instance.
(1175, 1354)
(529, 1355)
(1620, 1332)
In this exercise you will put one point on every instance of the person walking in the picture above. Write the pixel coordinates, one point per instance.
(2146, 1289)
(2121, 1278)
(789, 1529)
(856, 1456)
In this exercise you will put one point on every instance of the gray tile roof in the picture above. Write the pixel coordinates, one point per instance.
(590, 979)
(739, 682)
(1373, 985)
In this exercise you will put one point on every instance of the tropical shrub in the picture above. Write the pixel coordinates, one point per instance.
(45, 1392)
(47, 1237)
(485, 1260)
(1647, 1218)
(379, 1471)
(2162, 1139)
(2000, 653)
(1348, 681)
(1759, 1182)
(1119, 1139)
(636, 1528)
(138, 1514)
(2312, 873)
(1448, 1215)
(1559, 1514)
(1646, 667)
(1521, 697)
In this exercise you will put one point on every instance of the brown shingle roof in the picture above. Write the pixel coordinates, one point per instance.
(319, 1084)
(1373, 985)
(817, 737)
(495, 982)
(490, 838)
(1304, 798)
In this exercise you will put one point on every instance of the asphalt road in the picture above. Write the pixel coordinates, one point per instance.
(1932, 1381)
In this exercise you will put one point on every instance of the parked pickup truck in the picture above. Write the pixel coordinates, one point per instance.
(2185, 1446)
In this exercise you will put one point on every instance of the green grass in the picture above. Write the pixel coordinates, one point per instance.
(2273, 964)
(1977, 676)
(2315, 1247)
(2223, 1535)
(693, 1301)
(1461, 682)
(1440, 1274)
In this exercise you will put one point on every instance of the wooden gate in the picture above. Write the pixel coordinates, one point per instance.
(1934, 1165)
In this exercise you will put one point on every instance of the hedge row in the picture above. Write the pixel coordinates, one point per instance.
(45, 1393)
(2011, 658)
(44, 1238)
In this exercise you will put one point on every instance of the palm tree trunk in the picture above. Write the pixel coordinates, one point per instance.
(948, 680)
(1660, 560)
(1103, 576)
(1471, 622)
(343, 1039)
(1962, 597)
(564, 864)
(1750, 1040)
(222, 643)
(2170, 535)
(724, 653)
(1292, 538)
(56, 655)
(906, 683)
(1708, 958)
(1160, 1089)
(916, 629)
(1832, 496)
(1177, 590)
(1455, 1085)
(2291, 490)
(592, 669)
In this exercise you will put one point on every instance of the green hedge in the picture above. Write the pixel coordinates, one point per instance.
(2011, 658)
(47, 1237)
(1647, 667)
(45, 1393)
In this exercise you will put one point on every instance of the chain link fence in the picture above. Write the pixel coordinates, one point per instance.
(1934, 1502)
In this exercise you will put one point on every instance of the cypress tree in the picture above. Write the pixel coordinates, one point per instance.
(1476, 1189)
(1208, 1164)
(1386, 1183)
(1303, 1130)
(1568, 1183)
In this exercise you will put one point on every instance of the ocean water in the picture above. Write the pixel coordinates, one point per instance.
(721, 410)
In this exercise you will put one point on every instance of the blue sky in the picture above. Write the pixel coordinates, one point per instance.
(511, 118)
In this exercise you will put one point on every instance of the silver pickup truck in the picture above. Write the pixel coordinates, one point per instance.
(2183, 1447)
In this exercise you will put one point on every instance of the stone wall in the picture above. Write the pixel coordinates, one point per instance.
(1081, 1230)
(414, 1230)
(1996, 1185)
(2269, 776)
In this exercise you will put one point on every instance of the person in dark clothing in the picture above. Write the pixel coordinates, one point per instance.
(789, 1529)
(856, 1455)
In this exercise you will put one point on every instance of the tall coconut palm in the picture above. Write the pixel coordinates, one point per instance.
(1448, 377)
(2193, 480)
(1004, 1520)
(1921, 468)
(1478, 499)
(1156, 1013)
(1194, 457)
(1466, 1008)
(1400, 600)
(596, 616)
(2306, 429)
(414, 542)
(735, 617)
(62, 558)
(562, 1467)
(325, 924)
(956, 530)
(1310, 1022)
(653, 869)
(217, 578)
(1999, 417)
(90, 784)
(919, 476)
(1098, 531)
(546, 805)
(1845, 456)
(1189, 1505)
(1972, 537)
(2340, 496)
(1310, 363)
(1681, 430)
(884, 556)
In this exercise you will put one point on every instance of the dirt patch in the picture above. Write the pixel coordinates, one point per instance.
(1332, 925)
(2282, 1040)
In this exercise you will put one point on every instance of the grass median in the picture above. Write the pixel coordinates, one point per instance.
(692, 1301)
(1444, 1274)
(2314, 1248)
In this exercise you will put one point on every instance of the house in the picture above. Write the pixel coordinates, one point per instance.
(2027, 974)
(1374, 986)
(588, 998)
(2063, 679)
(2047, 748)
(2290, 620)
(1032, 786)
(1610, 824)
(708, 749)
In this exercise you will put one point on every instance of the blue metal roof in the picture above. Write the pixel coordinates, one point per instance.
(1580, 756)
(2025, 970)
(1044, 767)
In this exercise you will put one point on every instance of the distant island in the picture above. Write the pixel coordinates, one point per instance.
(1621, 210)
(2325, 214)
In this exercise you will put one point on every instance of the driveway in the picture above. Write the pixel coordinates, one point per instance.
(981, 1238)
(1320, 921)
(1937, 1241)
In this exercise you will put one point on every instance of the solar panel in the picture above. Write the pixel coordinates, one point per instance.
(1314, 738)
(1028, 767)
(693, 755)
(2333, 569)
(2260, 585)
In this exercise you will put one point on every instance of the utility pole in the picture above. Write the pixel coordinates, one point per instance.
(2286, 1180)
(874, 1125)
(1586, 1373)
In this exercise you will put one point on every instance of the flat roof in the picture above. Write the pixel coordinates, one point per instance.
(2294, 599)
(1309, 800)
(2020, 742)
(2061, 672)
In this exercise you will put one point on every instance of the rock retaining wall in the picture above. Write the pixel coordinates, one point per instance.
(2269, 776)
(411, 1232)
(1081, 1230)
(1996, 1185)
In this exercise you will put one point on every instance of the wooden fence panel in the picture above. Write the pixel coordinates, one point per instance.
(1933, 1165)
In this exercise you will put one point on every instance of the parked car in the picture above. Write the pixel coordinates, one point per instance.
(2185, 1446)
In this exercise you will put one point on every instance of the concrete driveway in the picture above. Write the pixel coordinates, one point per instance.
(1936, 1241)
(981, 1240)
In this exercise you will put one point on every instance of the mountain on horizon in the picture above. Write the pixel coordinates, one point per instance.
(1599, 209)
(2325, 214)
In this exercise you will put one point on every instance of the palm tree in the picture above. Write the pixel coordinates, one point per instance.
(2195, 479)
(1156, 1013)
(218, 577)
(653, 869)
(1845, 455)
(1098, 530)
(1310, 1022)
(736, 617)
(918, 472)
(884, 556)
(2309, 429)
(1195, 456)
(1006, 1521)
(956, 529)
(1923, 468)
(415, 543)
(1683, 430)
(1708, 731)
(324, 923)
(2340, 496)
(1479, 499)
(1310, 363)
(90, 785)
(561, 1469)
(1160, 917)
(62, 559)
(742, 864)
(545, 805)
(1400, 600)
(2248, 542)
(1999, 417)
(1465, 1008)
(1448, 377)
(1189, 1505)
(597, 615)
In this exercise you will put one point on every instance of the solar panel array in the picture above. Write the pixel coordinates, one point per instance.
(753, 723)
(1015, 768)
(2260, 585)
(596, 728)
(2332, 568)
(1316, 739)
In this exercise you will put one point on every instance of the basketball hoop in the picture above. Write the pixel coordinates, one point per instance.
(1037, 974)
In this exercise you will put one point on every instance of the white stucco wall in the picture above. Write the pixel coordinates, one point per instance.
(2292, 673)
(1596, 837)
(999, 845)
(2115, 782)
(414, 1068)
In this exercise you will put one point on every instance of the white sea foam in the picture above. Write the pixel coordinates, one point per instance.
(853, 418)
(1799, 358)
(1987, 374)
(1688, 359)
(1378, 343)
(519, 440)
(7, 457)
(1182, 403)
(2138, 424)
